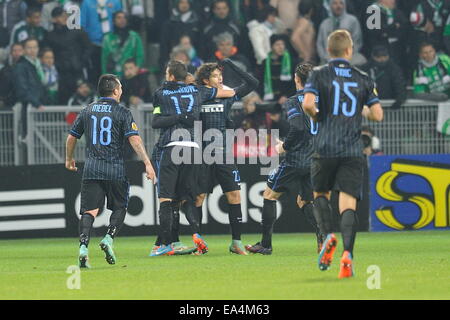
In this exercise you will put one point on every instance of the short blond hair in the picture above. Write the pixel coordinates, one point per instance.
(338, 42)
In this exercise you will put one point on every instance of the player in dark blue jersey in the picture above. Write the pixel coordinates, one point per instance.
(343, 93)
(215, 116)
(105, 124)
(176, 106)
(293, 174)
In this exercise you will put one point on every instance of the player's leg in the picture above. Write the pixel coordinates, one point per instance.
(167, 174)
(349, 180)
(179, 247)
(92, 201)
(305, 201)
(117, 193)
(187, 190)
(199, 207)
(227, 175)
(323, 173)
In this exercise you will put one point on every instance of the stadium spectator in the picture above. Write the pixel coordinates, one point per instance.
(287, 11)
(262, 29)
(30, 27)
(135, 84)
(135, 11)
(276, 80)
(83, 95)
(221, 22)
(252, 9)
(340, 19)
(13, 11)
(51, 76)
(392, 31)
(303, 37)
(226, 49)
(120, 45)
(432, 75)
(428, 19)
(97, 20)
(180, 54)
(46, 13)
(72, 51)
(7, 94)
(186, 44)
(183, 20)
(28, 81)
(387, 75)
(4, 43)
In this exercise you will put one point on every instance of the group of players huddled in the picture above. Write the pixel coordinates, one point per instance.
(323, 152)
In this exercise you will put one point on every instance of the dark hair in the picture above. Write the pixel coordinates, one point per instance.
(107, 84)
(177, 69)
(24, 42)
(130, 60)
(57, 11)
(44, 51)
(31, 10)
(305, 7)
(15, 44)
(117, 13)
(215, 2)
(303, 70)
(204, 72)
(265, 13)
(426, 44)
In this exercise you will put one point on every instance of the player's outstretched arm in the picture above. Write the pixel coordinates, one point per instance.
(374, 113)
(139, 148)
(309, 105)
(71, 143)
(249, 84)
(164, 121)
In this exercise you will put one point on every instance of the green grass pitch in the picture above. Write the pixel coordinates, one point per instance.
(413, 265)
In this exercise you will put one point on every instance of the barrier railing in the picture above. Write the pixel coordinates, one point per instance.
(7, 152)
(409, 130)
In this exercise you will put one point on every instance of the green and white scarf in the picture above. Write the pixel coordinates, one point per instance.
(37, 65)
(285, 74)
(103, 15)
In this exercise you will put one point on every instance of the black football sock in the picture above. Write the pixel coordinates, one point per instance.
(269, 215)
(158, 241)
(322, 213)
(235, 218)
(348, 229)
(165, 221)
(308, 210)
(116, 221)
(176, 222)
(199, 211)
(85, 227)
(190, 212)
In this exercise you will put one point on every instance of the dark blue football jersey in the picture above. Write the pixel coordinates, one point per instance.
(105, 125)
(299, 155)
(343, 91)
(179, 98)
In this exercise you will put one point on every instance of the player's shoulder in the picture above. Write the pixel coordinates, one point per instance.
(321, 68)
(360, 72)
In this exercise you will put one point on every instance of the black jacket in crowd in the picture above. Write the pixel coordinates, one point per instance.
(27, 84)
(389, 81)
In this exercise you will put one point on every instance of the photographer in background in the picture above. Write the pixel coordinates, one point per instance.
(372, 145)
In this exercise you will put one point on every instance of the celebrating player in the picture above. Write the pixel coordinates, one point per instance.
(106, 123)
(216, 115)
(176, 106)
(343, 92)
(293, 174)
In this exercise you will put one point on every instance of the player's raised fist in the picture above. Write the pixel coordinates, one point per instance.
(70, 165)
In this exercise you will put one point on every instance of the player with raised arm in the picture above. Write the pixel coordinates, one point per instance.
(176, 106)
(293, 174)
(343, 92)
(216, 115)
(105, 124)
